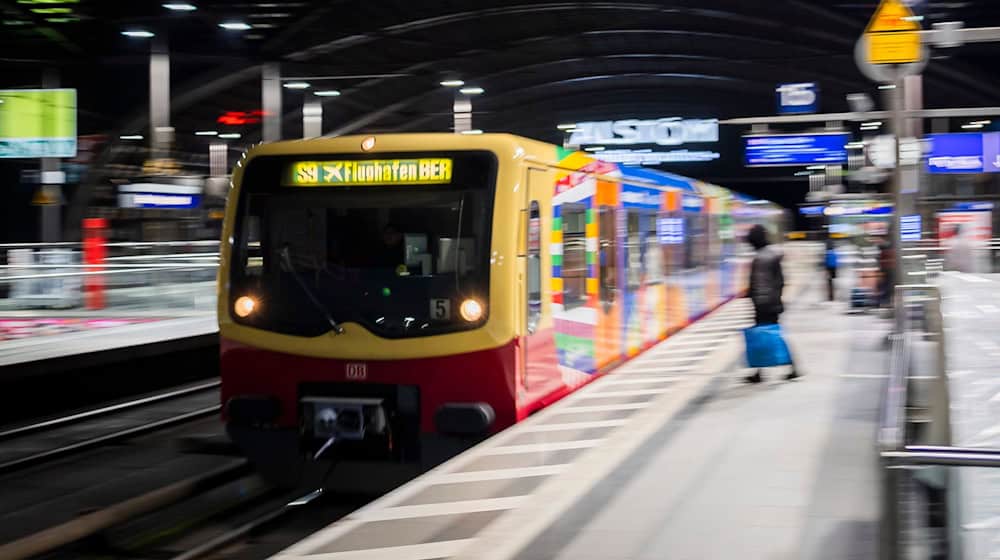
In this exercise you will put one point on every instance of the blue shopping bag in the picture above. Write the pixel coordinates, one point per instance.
(766, 346)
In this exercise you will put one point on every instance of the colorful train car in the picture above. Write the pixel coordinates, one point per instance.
(391, 298)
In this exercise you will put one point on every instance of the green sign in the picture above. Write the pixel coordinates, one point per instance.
(423, 171)
(37, 123)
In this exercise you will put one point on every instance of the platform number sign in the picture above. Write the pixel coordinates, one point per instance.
(440, 309)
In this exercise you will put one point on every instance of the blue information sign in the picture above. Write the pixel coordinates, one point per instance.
(796, 149)
(798, 98)
(909, 227)
(972, 152)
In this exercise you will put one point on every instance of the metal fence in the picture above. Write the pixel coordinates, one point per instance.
(145, 277)
(920, 469)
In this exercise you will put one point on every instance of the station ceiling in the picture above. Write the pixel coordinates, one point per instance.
(540, 63)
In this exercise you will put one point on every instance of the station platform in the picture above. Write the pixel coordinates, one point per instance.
(89, 341)
(670, 456)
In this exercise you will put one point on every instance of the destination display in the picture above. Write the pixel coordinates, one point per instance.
(423, 171)
(966, 152)
(796, 149)
(36, 123)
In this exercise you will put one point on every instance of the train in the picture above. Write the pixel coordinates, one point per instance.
(390, 299)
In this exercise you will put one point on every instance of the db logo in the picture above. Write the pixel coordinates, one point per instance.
(357, 372)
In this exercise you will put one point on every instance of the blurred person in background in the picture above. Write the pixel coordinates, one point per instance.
(767, 281)
(887, 268)
(961, 252)
(830, 264)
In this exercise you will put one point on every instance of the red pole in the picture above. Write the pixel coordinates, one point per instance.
(94, 251)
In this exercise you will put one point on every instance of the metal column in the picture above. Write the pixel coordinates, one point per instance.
(312, 119)
(463, 112)
(50, 182)
(270, 90)
(899, 131)
(161, 133)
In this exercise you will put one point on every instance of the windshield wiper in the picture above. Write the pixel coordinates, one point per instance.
(286, 256)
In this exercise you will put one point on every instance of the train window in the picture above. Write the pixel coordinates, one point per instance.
(400, 261)
(534, 266)
(652, 262)
(633, 251)
(574, 258)
(608, 254)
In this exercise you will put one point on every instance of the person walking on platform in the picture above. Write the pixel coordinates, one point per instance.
(830, 264)
(766, 284)
(961, 253)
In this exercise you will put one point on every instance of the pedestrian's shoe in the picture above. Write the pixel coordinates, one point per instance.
(793, 375)
(755, 378)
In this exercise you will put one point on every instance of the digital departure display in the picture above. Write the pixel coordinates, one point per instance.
(423, 171)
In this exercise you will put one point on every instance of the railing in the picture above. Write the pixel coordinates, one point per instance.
(922, 510)
(140, 278)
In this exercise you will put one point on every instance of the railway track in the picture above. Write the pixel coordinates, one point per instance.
(39, 442)
(174, 516)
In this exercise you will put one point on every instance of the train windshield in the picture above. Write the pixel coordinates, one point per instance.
(400, 245)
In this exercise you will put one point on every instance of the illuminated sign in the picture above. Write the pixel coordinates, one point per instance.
(796, 149)
(798, 98)
(649, 157)
(158, 200)
(240, 118)
(909, 227)
(671, 231)
(964, 153)
(37, 123)
(663, 132)
(424, 171)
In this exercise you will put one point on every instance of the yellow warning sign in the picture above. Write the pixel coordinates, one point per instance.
(893, 35)
(892, 15)
(44, 197)
(893, 48)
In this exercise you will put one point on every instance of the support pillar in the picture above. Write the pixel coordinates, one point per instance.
(463, 113)
(161, 133)
(50, 183)
(270, 89)
(312, 119)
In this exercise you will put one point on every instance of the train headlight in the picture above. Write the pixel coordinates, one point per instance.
(244, 306)
(471, 310)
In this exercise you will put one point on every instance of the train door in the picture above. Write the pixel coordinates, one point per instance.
(539, 372)
(672, 232)
(633, 318)
(654, 289)
(608, 339)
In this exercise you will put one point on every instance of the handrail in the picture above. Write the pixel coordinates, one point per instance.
(923, 456)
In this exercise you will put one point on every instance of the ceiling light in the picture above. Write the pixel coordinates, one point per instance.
(595, 149)
(235, 26)
(453, 83)
(471, 90)
(230, 135)
(130, 137)
(984, 123)
(566, 126)
(180, 7)
(206, 133)
(327, 93)
(473, 131)
(887, 86)
(972, 126)
(138, 33)
(873, 123)
(297, 85)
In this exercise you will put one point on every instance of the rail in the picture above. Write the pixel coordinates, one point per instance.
(919, 466)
